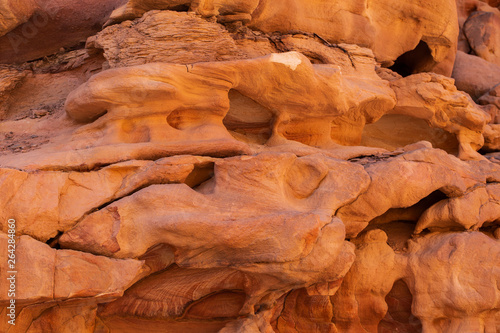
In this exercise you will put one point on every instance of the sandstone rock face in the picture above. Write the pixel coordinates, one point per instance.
(250, 166)
(73, 194)
(391, 179)
(372, 24)
(470, 305)
(365, 300)
(482, 207)
(369, 23)
(482, 30)
(476, 69)
(10, 79)
(31, 29)
(443, 107)
(224, 10)
(13, 14)
(165, 36)
(474, 75)
(52, 276)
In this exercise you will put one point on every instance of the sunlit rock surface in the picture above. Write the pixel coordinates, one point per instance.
(250, 166)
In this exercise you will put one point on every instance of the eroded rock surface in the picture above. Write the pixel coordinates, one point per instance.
(459, 299)
(367, 23)
(71, 195)
(13, 14)
(436, 100)
(250, 166)
(165, 36)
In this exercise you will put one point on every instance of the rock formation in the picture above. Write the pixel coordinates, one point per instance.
(31, 29)
(249, 166)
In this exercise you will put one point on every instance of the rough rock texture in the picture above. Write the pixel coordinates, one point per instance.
(10, 78)
(250, 166)
(436, 100)
(165, 36)
(367, 23)
(224, 10)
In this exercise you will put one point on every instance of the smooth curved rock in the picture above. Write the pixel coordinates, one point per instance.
(174, 109)
(482, 30)
(250, 166)
(394, 184)
(464, 294)
(163, 109)
(474, 75)
(276, 82)
(359, 305)
(259, 258)
(69, 196)
(65, 274)
(478, 207)
(298, 189)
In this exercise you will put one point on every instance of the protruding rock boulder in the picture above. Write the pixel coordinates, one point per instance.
(474, 209)
(393, 184)
(482, 30)
(66, 274)
(474, 75)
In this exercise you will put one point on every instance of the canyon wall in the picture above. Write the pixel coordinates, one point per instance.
(249, 166)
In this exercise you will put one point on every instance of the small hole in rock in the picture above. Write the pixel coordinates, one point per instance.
(200, 175)
(180, 8)
(247, 120)
(415, 61)
(399, 317)
(54, 241)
